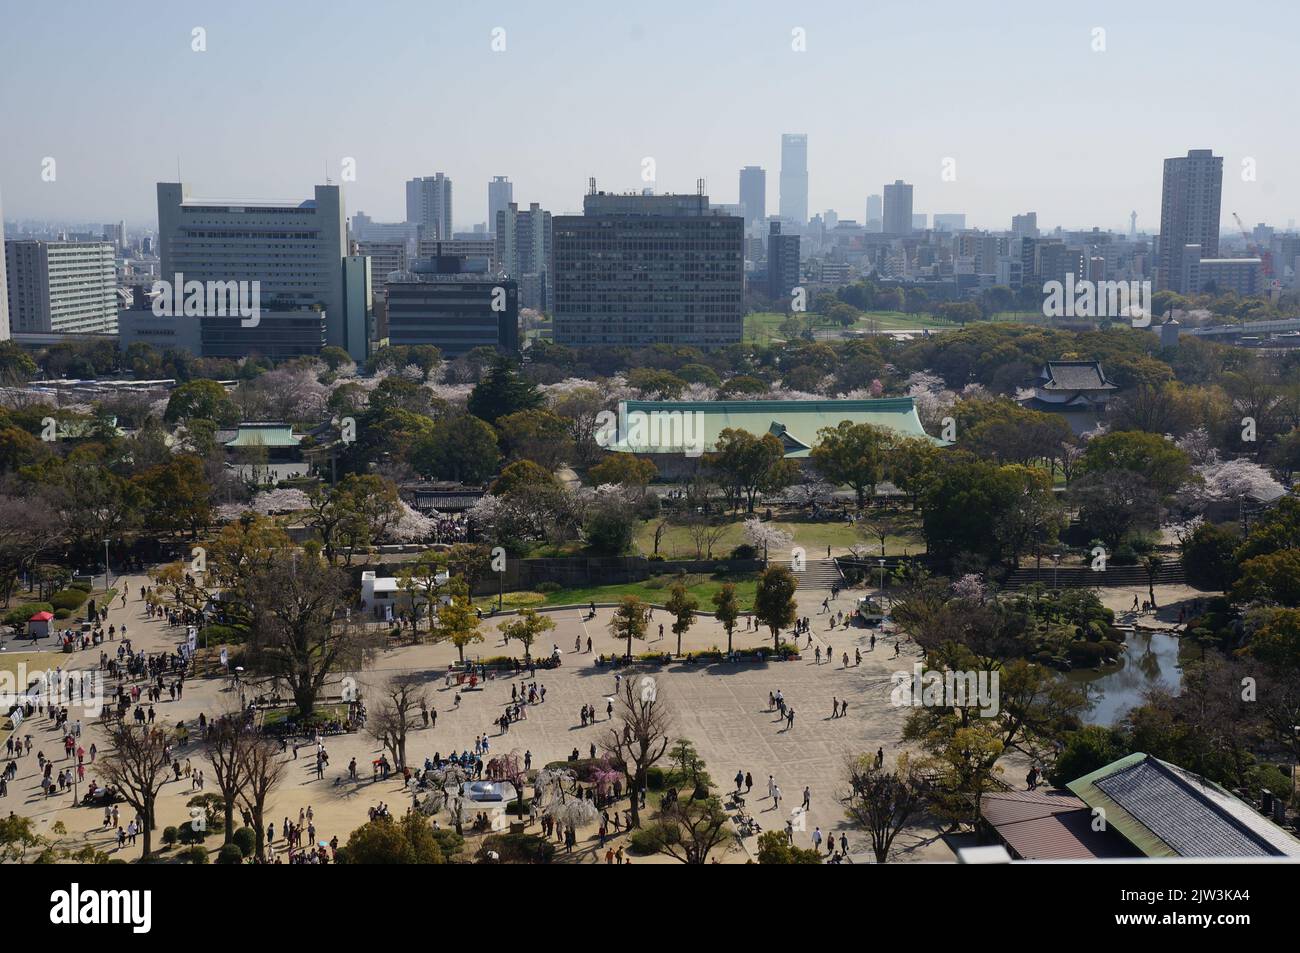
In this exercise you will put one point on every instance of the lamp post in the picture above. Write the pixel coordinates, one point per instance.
(1056, 570)
(882, 585)
(106, 564)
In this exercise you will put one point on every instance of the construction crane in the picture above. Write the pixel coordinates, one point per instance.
(1265, 257)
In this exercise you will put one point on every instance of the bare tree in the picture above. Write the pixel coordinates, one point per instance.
(137, 767)
(643, 738)
(295, 635)
(705, 533)
(881, 802)
(226, 744)
(264, 770)
(402, 698)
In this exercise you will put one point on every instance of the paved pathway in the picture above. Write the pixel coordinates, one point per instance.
(722, 708)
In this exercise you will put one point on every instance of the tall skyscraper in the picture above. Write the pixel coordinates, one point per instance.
(294, 251)
(524, 252)
(500, 194)
(4, 283)
(794, 178)
(62, 287)
(649, 269)
(875, 220)
(428, 204)
(898, 208)
(1189, 213)
(753, 194)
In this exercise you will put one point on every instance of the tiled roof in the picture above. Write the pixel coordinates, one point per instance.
(1075, 375)
(1165, 811)
(1049, 825)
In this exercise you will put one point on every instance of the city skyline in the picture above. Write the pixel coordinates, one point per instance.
(1099, 158)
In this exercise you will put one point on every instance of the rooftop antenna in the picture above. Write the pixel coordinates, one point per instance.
(591, 185)
(699, 186)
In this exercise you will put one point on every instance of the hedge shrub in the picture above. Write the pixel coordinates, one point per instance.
(245, 838)
(70, 599)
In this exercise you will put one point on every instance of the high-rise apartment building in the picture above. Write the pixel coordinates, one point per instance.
(1189, 214)
(897, 217)
(294, 251)
(875, 220)
(1024, 226)
(428, 204)
(753, 194)
(648, 269)
(385, 258)
(524, 251)
(501, 192)
(4, 282)
(794, 179)
(782, 263)
(61, 287)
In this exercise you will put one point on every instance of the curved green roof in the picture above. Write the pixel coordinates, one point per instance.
(264, 435)
(679, 426)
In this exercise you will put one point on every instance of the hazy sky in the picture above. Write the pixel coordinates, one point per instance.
(1013, 91)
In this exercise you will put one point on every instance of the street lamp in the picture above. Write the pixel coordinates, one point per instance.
(882, 585)
(1056, 570)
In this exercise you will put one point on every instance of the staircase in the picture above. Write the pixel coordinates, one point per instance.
(1171, 573)
(816, 573)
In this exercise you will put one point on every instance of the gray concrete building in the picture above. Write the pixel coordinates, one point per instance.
(753, 194)
(898, 209)
(1189, 214)
(436, 302)
(639, 269)
(4, 282)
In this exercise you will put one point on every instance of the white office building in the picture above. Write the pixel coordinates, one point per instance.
(294, 251)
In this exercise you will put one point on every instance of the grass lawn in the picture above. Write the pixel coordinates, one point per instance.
(899, 321)
(676, 542)
(765, 326)
(273, 716)
(654, 590)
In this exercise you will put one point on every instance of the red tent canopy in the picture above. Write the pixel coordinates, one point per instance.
(42, 617)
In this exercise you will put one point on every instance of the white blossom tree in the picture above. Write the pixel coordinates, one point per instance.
(766, 537)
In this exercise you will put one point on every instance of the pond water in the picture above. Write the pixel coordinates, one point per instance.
(1150, 660)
